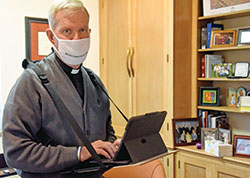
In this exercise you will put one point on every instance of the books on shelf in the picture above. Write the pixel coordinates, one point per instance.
(212, 26)
(211, 59)
(204, 38)
(207, 62)
(213, 119)
(216, 121)
(203, 74)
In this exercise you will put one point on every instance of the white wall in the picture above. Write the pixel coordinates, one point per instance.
(12, 37)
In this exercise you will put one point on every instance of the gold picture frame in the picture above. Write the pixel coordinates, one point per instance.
(223, 38)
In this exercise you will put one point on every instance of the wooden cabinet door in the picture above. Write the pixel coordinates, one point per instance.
(230, 172)
(115, 38)
(188, 167)
(147, 41)
(168, 163)
(132, 53)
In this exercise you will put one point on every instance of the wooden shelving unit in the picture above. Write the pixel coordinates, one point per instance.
(223, 108)
(225, 79)
(193, 162)
(230, 20)
(225, 49)
(225, 16)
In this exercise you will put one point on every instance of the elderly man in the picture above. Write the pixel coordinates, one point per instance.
(30, 113)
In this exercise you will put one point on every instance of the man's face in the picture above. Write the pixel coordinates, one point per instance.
(70, 25)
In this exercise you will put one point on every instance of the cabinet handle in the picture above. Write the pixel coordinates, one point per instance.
(179, 164)
(131, 62)
(128, 57)
(168, 162)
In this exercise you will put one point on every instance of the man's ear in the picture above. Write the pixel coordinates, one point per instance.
(50, 36)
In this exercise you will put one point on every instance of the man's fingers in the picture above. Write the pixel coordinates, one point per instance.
(103, 153)
(117, 143)
(104, 148)
(109, 147)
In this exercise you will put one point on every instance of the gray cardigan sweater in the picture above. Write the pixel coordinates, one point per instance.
(29, 111)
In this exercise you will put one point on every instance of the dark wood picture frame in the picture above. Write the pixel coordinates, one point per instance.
(33, 26)
(192, 129)
(241, 146)
(209, 96)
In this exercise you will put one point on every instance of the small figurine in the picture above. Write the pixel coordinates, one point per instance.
(232, 97)
(241, 91)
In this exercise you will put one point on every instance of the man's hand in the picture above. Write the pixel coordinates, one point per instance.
(117, 143)
(106, 149)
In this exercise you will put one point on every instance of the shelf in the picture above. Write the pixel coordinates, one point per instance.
(223, 108)
(238, 160)
(225, 79)
(193, 149)
(225, 49)
(224, 16)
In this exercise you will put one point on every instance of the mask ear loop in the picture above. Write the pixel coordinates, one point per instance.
(54, 47)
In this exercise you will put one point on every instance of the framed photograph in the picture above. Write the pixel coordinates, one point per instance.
(225, 135)
(209, 96)
(223, 38)
(186, 131)
(37, 44)
(241, 145)
(222, 70)
(241, 69)
(209, 134)
(243, 36)
(213, 7)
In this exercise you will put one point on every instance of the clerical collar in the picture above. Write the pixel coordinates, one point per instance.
(66, 68)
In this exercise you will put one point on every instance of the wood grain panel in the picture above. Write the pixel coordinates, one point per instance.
(182, 59)
(148, 59)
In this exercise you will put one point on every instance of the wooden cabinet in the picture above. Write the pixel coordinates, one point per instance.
(145, 61)
(115, 42)
(193, 163)
(189, 167)
(230, 172)
(145, 58)
(168, 163)
(133, 56)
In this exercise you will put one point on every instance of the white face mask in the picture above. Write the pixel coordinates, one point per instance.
(73, 52)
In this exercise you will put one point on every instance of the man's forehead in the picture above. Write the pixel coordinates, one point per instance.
(66, 17)
(63, 14)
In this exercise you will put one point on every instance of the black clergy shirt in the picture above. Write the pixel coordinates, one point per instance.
(74, 75)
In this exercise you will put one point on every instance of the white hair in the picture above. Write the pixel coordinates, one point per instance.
(63, 4)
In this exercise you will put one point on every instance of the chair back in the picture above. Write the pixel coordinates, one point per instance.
(153, 169)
